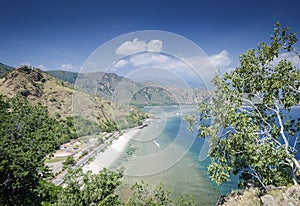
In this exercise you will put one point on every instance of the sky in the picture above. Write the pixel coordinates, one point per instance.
(62, 34)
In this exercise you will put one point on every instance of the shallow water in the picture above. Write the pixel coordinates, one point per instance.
(165, 151)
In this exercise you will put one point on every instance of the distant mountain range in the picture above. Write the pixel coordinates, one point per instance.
(63, 100)
(121, 89)
(5, 69)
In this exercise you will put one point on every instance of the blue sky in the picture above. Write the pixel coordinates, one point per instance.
(61, 34)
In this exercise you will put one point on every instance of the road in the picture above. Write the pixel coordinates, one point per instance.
(59, 178)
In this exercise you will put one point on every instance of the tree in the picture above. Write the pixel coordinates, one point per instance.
(248, 121)
(90, 189)
(144, 195)
(69, 161)
(27, 136)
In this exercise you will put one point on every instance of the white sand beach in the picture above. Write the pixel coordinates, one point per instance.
(112, 152)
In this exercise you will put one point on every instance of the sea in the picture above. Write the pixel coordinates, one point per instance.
(165, 151)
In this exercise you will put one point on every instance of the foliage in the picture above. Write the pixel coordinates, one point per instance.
(108, 125)
(248, 123)
(48, 192)
(81, 126)
(134, 119)
(27, 136)
(144, 195)
(69, 161)
(90, 189)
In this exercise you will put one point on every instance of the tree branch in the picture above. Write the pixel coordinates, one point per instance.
(281, 128)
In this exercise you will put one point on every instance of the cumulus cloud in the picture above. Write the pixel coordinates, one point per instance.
(145, 59)
(195, 69)
(291, 57)
(42, 67)
(136, 45)
(67, 67)
(121, 63)
(220, 60)
(154, 45)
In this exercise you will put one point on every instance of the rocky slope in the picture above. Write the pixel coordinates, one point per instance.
(117, 88)
(282, 196)
(121, 89)
(62, 99)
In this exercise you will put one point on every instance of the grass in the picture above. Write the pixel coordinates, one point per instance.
(57, 159)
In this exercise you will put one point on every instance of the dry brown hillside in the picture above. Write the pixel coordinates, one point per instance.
(60, 98)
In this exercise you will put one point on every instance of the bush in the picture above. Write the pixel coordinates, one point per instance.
(69, 161)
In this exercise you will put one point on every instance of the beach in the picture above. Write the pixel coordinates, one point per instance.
(112, 152)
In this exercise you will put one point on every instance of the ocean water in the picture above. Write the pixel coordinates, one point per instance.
(165, 151)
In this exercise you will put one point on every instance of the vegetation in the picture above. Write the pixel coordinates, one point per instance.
(89, 189)
(108, 125)
(81, 126)
(27, 136)
(248, 123)
(69, 161)
(41, 88)
(143, 195)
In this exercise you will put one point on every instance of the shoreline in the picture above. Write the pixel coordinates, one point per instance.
(106, 158)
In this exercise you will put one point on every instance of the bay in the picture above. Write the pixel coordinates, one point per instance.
(165, 151)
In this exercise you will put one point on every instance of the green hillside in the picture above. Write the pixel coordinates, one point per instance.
(5, 69)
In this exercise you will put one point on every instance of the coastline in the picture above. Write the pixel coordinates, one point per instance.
(106, 158)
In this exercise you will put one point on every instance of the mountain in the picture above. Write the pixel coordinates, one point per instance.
(63, 75)
(5, 69)
(183, 96)
(63, 100)
(116, 88)
(121, 89)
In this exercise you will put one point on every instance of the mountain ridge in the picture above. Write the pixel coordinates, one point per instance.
(60, 98)
(123, 90)
(5, 69)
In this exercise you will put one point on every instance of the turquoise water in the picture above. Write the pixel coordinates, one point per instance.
(165, 151)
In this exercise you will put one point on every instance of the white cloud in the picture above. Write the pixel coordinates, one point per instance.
(155, 45)
(149, 59)
(67, 67)
(197, 69)
(130, 47)
(42, 67)
(120, 63)
(220, 60)
(291, 57)
(25, 64)
(201, 63)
